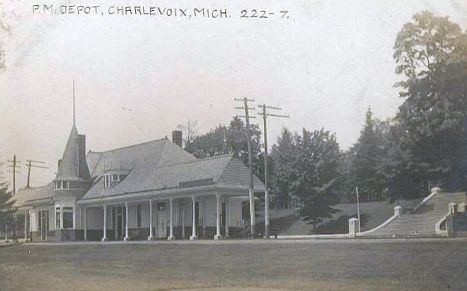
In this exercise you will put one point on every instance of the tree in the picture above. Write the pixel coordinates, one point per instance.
(365, 158)
(282, 155)
(6, 213)
(229, 139)
(431, 55)
(306, 167)
(189, 129)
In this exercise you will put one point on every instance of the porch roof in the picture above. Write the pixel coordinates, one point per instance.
(28, 196)
(210, 174)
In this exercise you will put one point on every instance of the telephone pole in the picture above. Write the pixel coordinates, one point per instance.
(265, 115)
(33, 164)
(251, 190)
(14, 169)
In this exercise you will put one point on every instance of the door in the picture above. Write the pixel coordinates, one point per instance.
(161, 227)
(119, 221)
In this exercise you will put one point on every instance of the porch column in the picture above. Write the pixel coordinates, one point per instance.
(171, 225)
(104, 237)
(193, 230)
(183, 220)
(218, 217)
(85, 223)
(151, 235)
(227, 211)
(126, 222)
(61, 217)
(25, 226)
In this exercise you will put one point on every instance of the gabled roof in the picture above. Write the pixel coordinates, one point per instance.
(69, 165)
(26, 196)
(220, 171)
(158, 153)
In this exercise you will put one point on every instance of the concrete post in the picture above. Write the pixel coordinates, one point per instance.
(436, 190)
(104, 237)
(353, 227)
(193, 230)
(218, 217)
(398, 211)
(452, 208)
(461, 207)
(151, 234)
(127, 237)
(171, 226)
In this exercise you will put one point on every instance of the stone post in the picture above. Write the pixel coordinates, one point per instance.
(461, 207)
(452, 207)
(398, 211)
(353, 227)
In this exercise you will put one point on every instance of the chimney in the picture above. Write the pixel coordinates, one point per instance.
(177, 137)
(83, 171)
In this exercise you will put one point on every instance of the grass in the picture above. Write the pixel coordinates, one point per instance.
(279, 265)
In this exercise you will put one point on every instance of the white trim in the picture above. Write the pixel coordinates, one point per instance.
(438, 229)
(424, 201)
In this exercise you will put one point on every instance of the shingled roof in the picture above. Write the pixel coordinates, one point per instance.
(69, 166)
(219, 171)
(158, 152)
(27, 196)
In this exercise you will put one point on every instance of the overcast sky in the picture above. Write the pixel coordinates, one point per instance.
(138, 77)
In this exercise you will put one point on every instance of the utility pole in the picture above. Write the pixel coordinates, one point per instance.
(14, 170)
(265, 115)
(33, 164)
(251, 190)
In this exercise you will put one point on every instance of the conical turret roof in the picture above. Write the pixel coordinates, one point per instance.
(69, 165)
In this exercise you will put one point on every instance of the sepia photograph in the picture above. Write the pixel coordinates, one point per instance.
(233, 145)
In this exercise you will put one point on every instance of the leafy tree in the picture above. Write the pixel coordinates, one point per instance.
(306, 167)
(229, 139)
(431, 55)
(6, 213)
(365, 158)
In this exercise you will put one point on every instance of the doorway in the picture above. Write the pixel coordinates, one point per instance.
(43, 223)
(161, 226)
(119, 217)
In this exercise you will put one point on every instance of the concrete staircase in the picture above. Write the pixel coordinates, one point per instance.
(420, 222)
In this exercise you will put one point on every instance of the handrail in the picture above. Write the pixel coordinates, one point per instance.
(378, 227)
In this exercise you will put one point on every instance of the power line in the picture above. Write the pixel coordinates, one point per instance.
(33, 164)
(265, 115)
(251, 190)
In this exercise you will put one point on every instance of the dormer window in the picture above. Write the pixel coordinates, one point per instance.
(112, 179)
(62, 185)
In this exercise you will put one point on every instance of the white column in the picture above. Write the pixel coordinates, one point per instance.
(61, 217)
(193, 230)
(85, 224)
(218, 217)
(25, 226)
(104, 237)
(183, 220)
(151, 235)
(74, 217)
(171, 226)
(126, 222)
(227, 211)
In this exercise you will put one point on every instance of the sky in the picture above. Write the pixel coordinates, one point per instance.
(138, 76)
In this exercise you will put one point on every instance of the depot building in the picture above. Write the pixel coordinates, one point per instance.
(152, 190)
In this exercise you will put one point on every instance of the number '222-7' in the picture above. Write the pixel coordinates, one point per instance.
(253, 13)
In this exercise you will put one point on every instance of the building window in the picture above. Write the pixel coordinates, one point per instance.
(62, 185)
(67, 217)
(138, 215)
(115, 178)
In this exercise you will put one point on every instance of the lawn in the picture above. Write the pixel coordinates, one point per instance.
(251, 265)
